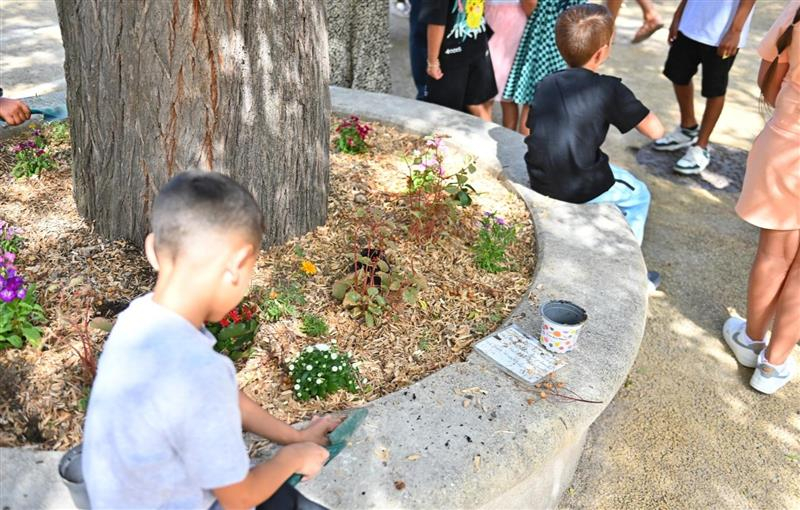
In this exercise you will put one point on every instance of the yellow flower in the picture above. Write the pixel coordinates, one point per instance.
(273, 295)
(308, 267)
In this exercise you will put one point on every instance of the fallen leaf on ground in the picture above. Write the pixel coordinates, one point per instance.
(413, 456)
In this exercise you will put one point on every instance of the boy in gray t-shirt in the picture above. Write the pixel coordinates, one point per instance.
(165, 418)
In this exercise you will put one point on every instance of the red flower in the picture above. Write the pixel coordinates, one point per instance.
(234, 315)
(248, 314)
(224, 323)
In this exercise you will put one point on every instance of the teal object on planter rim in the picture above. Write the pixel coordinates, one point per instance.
(338, 438)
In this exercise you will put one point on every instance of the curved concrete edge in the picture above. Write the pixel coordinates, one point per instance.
(528, 453)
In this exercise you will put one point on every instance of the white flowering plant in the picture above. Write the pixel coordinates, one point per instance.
(321, 370)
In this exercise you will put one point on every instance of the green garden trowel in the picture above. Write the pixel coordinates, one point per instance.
(338, 437)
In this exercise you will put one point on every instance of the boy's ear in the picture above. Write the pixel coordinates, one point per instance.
(238, 262)
(601, 54)
(150, 250)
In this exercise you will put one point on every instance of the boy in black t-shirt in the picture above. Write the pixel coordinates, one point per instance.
(460, 73)
(572, 112)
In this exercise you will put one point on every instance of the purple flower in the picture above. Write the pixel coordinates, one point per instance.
(9, 257)
(21, 293)
(40, 152)
(7, 295)
(500, 221)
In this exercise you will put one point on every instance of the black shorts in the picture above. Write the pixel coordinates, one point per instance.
(289, 498)
(465, 82)
(686, 54)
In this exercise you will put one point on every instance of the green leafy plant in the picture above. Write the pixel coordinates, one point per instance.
(321, 370)
(10, 240)
(31, 157)
(236, 331)
(20, 314)
(59, 132)
(314, 325)
(352, 136)
(366, 291)
(494, 238)
(427, 173)
(282, 302)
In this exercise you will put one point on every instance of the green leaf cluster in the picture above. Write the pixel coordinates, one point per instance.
(19, 320)
(28, 162)
(362, 297)
(493, 241)
(351, 142)
(236, 340)
(314, 325)
(282, 302)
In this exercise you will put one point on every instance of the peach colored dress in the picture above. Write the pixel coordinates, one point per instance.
(770, 196)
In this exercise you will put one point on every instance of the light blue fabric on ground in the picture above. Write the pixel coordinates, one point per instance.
(631, 196)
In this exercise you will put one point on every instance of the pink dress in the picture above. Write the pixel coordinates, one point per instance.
(507, 20)
(770, 196)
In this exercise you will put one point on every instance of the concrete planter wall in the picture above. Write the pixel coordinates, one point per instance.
(528, 453)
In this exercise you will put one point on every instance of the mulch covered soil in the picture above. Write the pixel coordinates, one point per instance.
(80, 276)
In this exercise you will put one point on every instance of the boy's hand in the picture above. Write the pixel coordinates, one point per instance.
(308, 457)
(729, 44)
(435, 70)
(14, 111)
(317, 431)
(673, 32)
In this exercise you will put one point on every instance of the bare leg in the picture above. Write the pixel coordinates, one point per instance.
(649, 13)
(710, 117)
(482, 111)
(523, 120)
(786, 328)
(613, 6)
(685, 96)
(777, 251)
(510, 115)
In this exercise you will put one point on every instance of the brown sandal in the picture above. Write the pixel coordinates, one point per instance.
(645, 31)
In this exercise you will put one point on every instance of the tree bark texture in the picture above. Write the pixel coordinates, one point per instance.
(358, 38)
(157, 87)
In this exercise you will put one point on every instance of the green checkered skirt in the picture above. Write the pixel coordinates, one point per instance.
(537, 55)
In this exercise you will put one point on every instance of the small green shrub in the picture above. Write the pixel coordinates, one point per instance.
(282, 302)
(59, 132)
(494, 238)
(314, 325)
(31, 157)
(321, 370)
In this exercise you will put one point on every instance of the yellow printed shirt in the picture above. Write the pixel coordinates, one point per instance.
(466, 32)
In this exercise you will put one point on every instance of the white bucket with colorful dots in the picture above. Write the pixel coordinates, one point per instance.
(561, 323)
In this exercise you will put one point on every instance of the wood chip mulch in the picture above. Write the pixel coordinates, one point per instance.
(80, 276)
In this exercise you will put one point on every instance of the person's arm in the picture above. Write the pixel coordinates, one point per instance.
(528, 6)
(651, 127)
(770, 90)
(256, 420)
(14, 111)
(435, 38)
(730, 43)
(263, 480)
(676, 22)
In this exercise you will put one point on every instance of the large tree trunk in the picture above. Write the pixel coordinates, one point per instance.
(162, 86)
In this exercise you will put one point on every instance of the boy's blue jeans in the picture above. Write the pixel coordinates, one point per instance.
(631, 196)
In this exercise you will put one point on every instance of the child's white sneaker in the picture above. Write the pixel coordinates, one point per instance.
(680, 138)
(693, 162)
(745, 349)
(769, 378)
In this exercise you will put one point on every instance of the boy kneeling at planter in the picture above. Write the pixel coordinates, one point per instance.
(165, 417)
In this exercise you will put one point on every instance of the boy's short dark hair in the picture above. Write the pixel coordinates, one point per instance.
(581, 30)
(195, 201)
